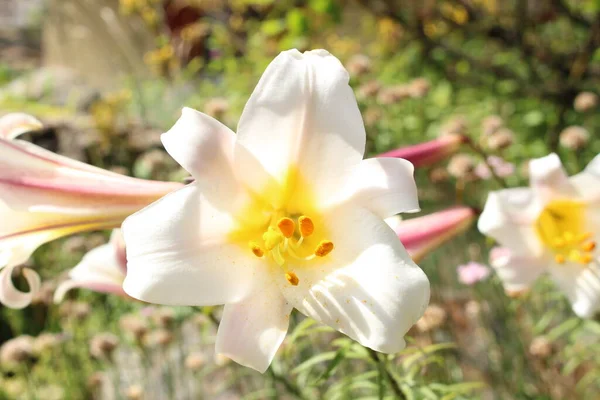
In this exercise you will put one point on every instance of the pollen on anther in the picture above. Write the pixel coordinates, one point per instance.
(589, 246)
(286, 227)
(258, 252)
(292, 278)
(324, 248)
(307, 226)
(559, 258)
(585, 259)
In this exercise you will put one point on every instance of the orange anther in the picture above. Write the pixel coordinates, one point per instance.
(306, 226)
(589, 246)
(258, 252)
(292, 278)
(286, 227)
(324, 248)
(585, 259)
(559, 258)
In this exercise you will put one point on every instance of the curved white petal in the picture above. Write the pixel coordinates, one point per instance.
(179, 253)
(368, 288)
(303, 117)
(15, 124)
(385, 186)
(587, 182)
(12, 297)
(509, 216)
(517, 273)
(549, 179)
(581, 285)
(252, 330)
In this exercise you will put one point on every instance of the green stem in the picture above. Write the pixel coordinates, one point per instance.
(384, 367)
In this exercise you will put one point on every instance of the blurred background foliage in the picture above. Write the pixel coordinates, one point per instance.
(520, 78)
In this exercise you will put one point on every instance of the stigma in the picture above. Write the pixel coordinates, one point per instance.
(285, 239)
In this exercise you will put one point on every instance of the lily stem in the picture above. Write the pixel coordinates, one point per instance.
(384, 367)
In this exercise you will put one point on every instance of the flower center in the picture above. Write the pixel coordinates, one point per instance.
(560, 227)
(282, 240)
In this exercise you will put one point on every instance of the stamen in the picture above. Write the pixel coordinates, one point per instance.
(588, 247)
(272, 238)
(258, 252)
(307, 227)
(324, 248)
(276, 253)
(292, 278)
(585, 259)
(286, 227)
(559, 258)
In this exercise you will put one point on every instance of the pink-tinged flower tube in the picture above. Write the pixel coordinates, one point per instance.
(428, 153)
(284, 214)
(44, 196)
(551, 227)
(423, 234)
(472, 272)
(102, 269)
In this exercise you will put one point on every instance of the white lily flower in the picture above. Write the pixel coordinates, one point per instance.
(283, 215)
(102, 269)
(551, 227)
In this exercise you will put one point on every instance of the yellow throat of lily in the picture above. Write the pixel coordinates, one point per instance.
(561, 227)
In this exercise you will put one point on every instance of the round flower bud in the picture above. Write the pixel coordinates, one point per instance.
(586, 101)
(501, 139)
(358, 65)
(419, 88)
(540, 347)
(462, 166)
(216, 107)
(491, 124)
(103, 345)
(574, 137)
(433, 317)
(17, 350)
(194, 361)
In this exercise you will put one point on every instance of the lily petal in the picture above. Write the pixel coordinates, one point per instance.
(509, 217)
(549, 179)
(516, 272)
(178, 253)
(385, 186)
(15, 124)
(252, 330)
(302, 118)
(13, 297)
(587, 183)
(581, 285)
(370, 289)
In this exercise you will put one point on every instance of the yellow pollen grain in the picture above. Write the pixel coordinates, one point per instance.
(292, 278)
(258, 252)
(559, 258)
(589, 246)
(324, 248)
(286, 227)
(307, 227)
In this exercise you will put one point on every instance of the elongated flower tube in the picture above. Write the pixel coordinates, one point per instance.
(44, 196)
(428, 153)
(285, 214)
(102, 270)
(423, 234)
(551, 227)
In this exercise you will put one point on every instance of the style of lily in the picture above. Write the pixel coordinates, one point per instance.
(551, 227)
(44, 196)
(285, 214)
(102, 269)
(428, 153)
(421, 235)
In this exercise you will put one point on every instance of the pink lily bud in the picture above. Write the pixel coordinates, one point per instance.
(44, 196)
(428, 153)
(421, 235)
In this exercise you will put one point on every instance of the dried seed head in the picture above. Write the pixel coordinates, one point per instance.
(358, 65)
(574, 137)
(419, 88)
(540, 347)
(393, 94)
(491, 124)
(433, 317)
(585, 101)
(95, 380)
(438, 175)
(501, 139)
(194, 361)
(216, 107)
(164, 317)
(45, 342)
(368, 90)
(462, 166)
(17, 350)
(103, 345)
(45, 295)
(81, 310)
(134, 325)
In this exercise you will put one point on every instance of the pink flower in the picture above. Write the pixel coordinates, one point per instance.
(44, 196)
(501, 168)
(472, 272)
